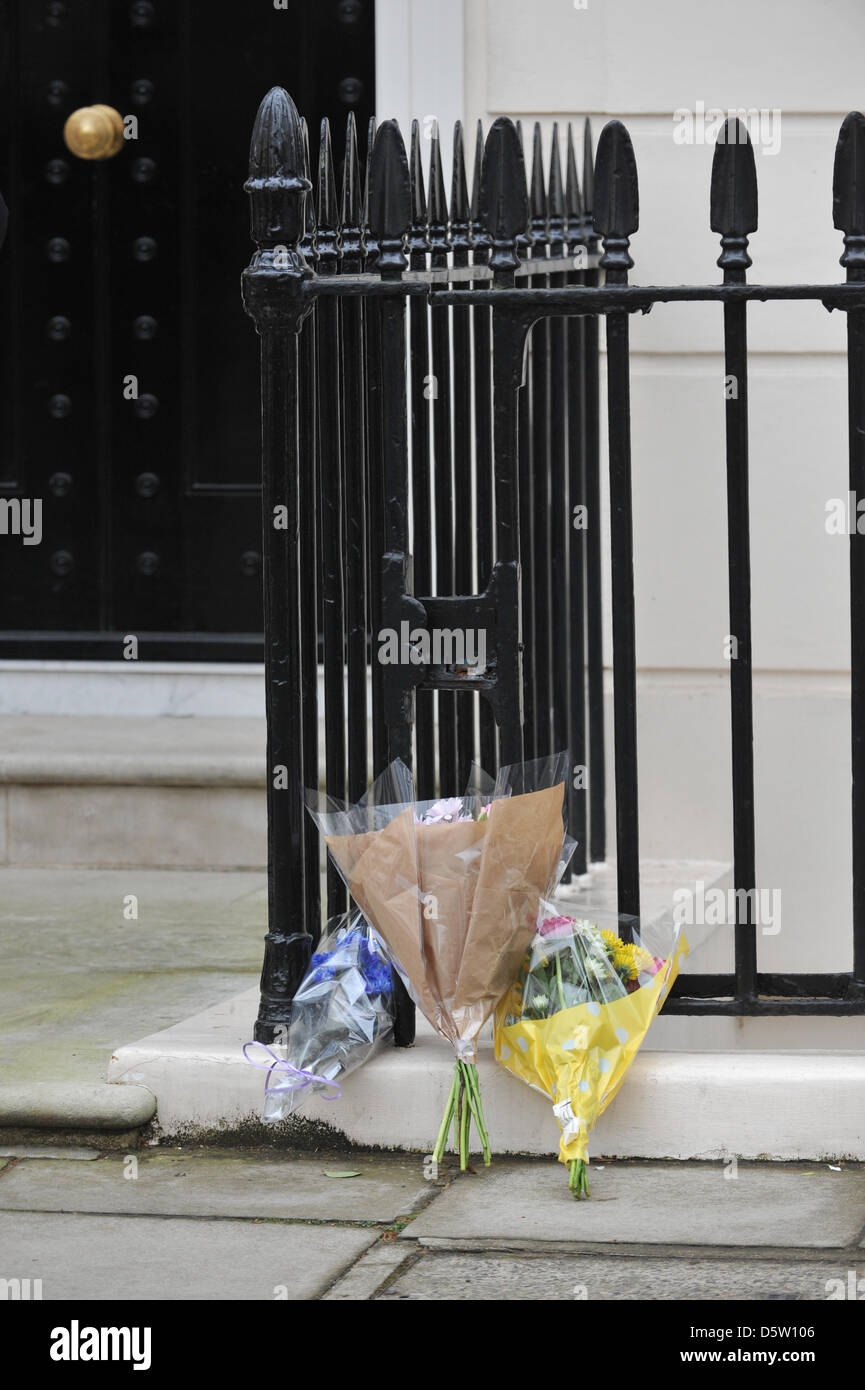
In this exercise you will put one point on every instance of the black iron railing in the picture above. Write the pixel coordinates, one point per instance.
(431, 437)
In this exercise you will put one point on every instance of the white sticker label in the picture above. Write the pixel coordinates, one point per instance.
(570, 1123)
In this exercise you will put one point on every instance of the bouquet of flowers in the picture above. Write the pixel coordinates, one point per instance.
(453, 887)
(574, 1020)
(342, 1010)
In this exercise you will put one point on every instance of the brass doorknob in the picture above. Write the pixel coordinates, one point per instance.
(94, 132)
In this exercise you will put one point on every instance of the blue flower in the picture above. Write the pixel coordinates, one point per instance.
(353, 947)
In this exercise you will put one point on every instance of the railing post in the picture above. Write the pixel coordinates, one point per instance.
(272, 295)
(330, 388)
(443, 458)
(594, 571)
(536, 466)
(849, 218)
(390, 215)
(617, 218)
(483, 424)
(421, 452)
(577, 365)
(504, 207)
(734, 216)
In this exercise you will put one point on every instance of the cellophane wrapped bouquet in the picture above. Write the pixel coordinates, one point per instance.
(342, 1010)
(577, 1014)
(453, 887)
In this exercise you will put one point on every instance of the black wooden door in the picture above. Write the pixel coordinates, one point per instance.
(129, 402)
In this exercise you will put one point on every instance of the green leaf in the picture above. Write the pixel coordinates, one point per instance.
(342, 1173)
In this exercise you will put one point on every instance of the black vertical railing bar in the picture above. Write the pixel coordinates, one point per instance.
(594, 567)
(308, 550)
(421, 425)
(328, 261)
(849, 218)
(539, 467)
(504, 211)
(483, 422)
(375, 486)
(443, 473)
(616, 217)
(527, 518)
(733, 217)
(563, 676)
(354, 475)
(464, 570)
(390, 216)
(576, 577)
(389, 220)
(277, 188)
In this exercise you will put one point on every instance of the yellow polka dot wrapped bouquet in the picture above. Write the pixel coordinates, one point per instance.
(575, 1018)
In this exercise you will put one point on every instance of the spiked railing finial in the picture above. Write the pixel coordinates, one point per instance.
(617, 199)
(327, 215)
(278, 185)
(351, 198)
(438, 204)
(556, 193)
(733, 202)
(504, 199)
(573, 201)
(848, 193)
(460, 237)
(389, 199)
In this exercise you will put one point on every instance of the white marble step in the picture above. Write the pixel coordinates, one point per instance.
(673, 1104)
(700, 1087)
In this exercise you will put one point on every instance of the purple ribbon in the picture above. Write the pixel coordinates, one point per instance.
(298, 1079)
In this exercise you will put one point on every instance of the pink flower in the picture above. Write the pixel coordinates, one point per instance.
(556, 926)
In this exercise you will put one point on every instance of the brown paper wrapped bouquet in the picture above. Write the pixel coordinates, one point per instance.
(453, 889)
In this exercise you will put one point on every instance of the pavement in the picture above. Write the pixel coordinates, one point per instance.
(262, 1225)
(95, 957)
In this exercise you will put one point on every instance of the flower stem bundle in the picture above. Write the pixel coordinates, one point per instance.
(463, 1105)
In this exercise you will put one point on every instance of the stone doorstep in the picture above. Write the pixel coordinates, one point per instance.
(708, 1105)
(132, 792)
(119, 750)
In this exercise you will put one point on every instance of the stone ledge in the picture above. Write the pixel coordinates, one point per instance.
(73, 1105)
(708, 1105)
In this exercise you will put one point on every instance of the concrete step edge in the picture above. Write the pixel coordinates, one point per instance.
(75, 1105)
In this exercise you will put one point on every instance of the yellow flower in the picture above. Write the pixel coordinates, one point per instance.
(644, 959)
(625, 959)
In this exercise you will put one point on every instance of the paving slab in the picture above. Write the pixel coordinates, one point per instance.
(361, 1282)
(688, 1203)
(204, 1185)
(79, 977)
(148, 1258)
(600, 1278)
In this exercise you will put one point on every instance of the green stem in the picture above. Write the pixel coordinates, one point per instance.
(578, 1181)
(464, 1130)
(458, 1107)
(438, 1151)
(559, 979)
(473, 1087)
